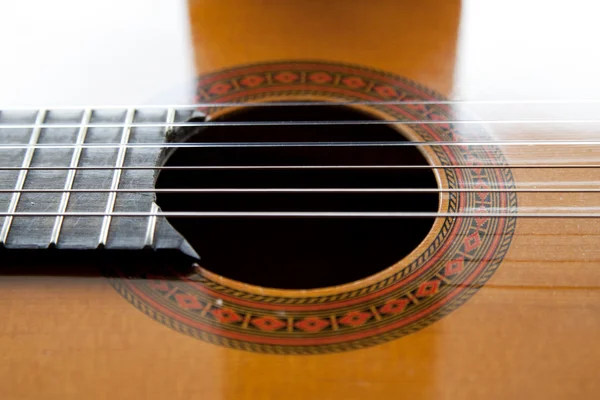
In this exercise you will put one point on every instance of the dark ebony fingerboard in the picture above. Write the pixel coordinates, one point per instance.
(34, 128)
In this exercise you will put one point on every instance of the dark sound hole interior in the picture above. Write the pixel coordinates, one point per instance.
(298, 253)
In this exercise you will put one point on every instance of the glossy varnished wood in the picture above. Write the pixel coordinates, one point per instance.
(529, 333)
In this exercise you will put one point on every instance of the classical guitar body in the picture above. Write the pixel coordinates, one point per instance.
(303, 200)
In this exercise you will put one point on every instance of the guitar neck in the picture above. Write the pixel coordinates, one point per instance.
(65, 176)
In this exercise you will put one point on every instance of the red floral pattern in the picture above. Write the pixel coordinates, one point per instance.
(454, 267)
(394, 306)
(320, 77)
(354, 82)
(188, 301)
(385, 91)
(312, 324)
(268, 324)
(225, 315)
(428, 288)
(472, 241)
(219, 88)
(286, 77)
(355, 318)
(482, 219)
(252, 80)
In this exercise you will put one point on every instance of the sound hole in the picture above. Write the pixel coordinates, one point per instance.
(296, 253)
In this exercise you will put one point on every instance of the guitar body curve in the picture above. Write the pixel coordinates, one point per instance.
(484, 306)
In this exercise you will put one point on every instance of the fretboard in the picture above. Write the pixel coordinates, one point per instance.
(84, 175)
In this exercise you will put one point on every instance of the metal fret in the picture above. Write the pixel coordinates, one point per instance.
(64, 200)
(116, 179)
(154, 208)
(14, 201)
(151, 226)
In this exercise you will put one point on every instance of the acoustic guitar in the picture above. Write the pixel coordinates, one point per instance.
(299, 199)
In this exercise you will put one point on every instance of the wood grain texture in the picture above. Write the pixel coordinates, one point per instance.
(529, 333)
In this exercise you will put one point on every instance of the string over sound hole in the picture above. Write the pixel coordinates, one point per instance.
(298, 253)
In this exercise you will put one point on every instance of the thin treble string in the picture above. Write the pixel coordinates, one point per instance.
(317, 214)
(306, 144)
(306, 167)
(305, 123)
(306, 190)
(316, 103)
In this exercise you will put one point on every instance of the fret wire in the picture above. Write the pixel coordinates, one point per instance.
(65, 197)
(292, 167)
(311, 144)
(310, 190)
(315, 214)
(317, 123)
(22, 177)
(116, 179)
(151, 229)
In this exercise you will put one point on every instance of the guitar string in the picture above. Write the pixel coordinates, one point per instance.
(290, 190)
(305, 123)
(307, 167)
(312, 190)
(308, 214)
(315, 103)
(303, 144)
(305, 190)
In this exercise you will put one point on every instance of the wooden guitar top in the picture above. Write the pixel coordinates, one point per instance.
(483, 307)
